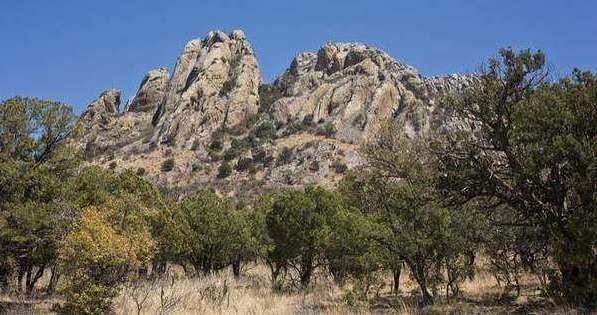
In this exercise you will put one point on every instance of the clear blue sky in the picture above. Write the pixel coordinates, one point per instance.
(72, 50)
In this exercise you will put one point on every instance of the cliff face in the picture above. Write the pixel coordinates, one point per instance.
(354, 88)
(223, 127)
(214, 85)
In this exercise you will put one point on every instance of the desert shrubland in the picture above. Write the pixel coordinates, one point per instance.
(497, 214)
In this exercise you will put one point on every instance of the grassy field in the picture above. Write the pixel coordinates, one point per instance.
(253, 294)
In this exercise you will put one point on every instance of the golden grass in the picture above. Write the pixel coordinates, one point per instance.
(253, 294)
(222, 294)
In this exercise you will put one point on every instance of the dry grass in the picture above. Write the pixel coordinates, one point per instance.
(253, 294)
(222, 294)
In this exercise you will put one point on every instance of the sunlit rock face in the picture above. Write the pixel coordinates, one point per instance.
(215, 85)
(355, 88)
(151, 92)
(321, 109)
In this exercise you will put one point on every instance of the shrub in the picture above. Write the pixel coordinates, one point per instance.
(295, 127)
(167, 165)
(268, 94)
(224, 170)
(259, 155)
(140, 171)
(112, 165)
(339, 166)
(285, 156)
(195, 145)
(328, 130)
(214, 156)
(314, 166)
(216, 145)
(265, 130)
(308, 120)
(237, 146)
(243, 164)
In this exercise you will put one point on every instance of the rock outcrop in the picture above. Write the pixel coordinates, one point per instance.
(152, 91)
(355, 87)
(103, 109)
(213, 114)
(215, 85)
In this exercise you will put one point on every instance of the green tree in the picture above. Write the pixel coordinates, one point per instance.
(35, 170)
(208, 231)
(530, 144)
(298, 225)
(435, 240)
(351, 250)
(247, 239)
(31, 129)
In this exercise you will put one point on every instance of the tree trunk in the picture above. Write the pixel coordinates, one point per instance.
(275, 269)
(31, 281)
(236, 268)
(577, 264)
(306, 270)
(21, 275)
(419, 275)
(396, 277)
(53, 281)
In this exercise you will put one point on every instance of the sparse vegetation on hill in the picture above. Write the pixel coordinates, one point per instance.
(497, 208)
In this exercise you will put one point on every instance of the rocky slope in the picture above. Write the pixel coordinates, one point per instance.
(221, 126)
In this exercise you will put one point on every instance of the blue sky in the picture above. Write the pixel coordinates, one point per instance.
(71, 50)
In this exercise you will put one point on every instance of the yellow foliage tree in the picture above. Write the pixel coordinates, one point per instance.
(97, 257)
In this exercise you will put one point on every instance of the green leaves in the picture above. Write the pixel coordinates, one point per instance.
(212, 233)
(529, 143)
(31, 129)
(298, 225)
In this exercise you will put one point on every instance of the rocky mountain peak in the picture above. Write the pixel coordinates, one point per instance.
(151, 91)
(215, 84)
(349, 87)
(107, 104)
(222, 126)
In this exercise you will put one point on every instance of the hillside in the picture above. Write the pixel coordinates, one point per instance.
(222, 125)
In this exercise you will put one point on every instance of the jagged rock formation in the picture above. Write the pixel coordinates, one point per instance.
(224, 128)
(151, 91)
(214, 85)
(354, 87)
(103, 109)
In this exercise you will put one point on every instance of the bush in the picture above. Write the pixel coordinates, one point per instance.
(285, 156)
(268, 94)
(237, 146)
(216, 145)
(328, 130)
(308, 120)
(112, 165)
(314, 166)
(195, 145)
(339, 166)
(265, 130)
(167, 165)
(97, 258)
(195, 167)
(259, 155)
(224, 170)
(140, 171)
(244, 164)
